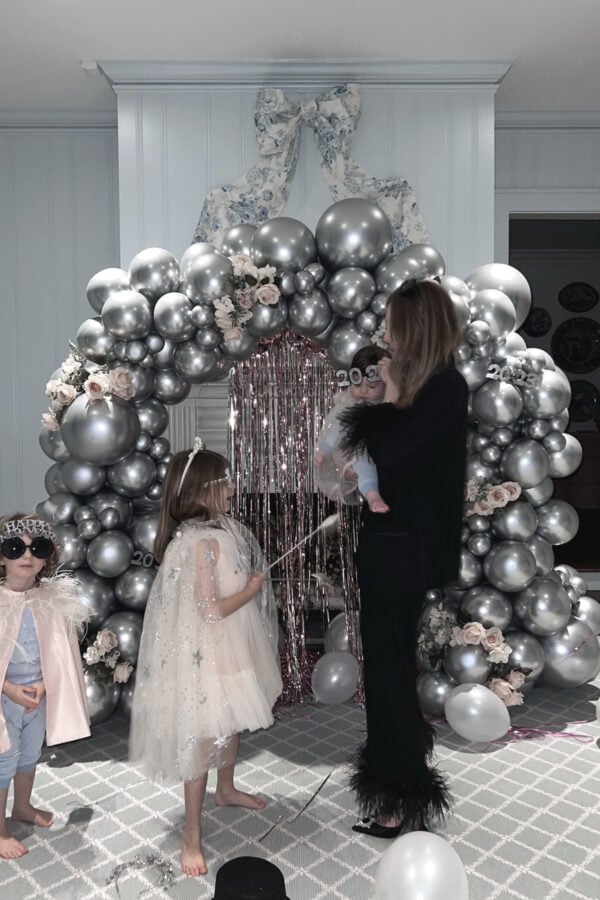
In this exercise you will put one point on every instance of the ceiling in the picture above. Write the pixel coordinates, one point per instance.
(554, 44)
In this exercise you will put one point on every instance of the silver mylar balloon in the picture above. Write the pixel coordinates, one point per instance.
(467, 664)
(474, 371)
(143, 531)
(367, 322)
(101, 696)
(109, 554)
(478, 332)
(538, 429)
(239, 348)
(588, 610)
(557, 522)
(238, 240)
(199, 248)
(170, 387)
(560, 422)
(476, 468)
(554, 441)
(491, 454)
(127, 627)
(155, 491)
(571, 655)
(461, 309)
(317, 271)
(527, 653)
(120, 350)
(97, 594)
(507, 279)
(126, 697)
(433, 689)
(479, 524)
(344, 341)
(543, 608)
(496, 309)
(154, 272)
(159, 448)
(454, 285)
(350, 290)
(564, 462)
(515, 522)
(133, 475)
(462, 353)
(100, 431)
(548, 398)
(309, 314)
(94, 340)
(163, 358)
(470, 571)
(543, 553)
(60, 508)
(525, 461)
(284, 243)
(207, 277)
(393, 271)
(72, 548)
(579, 584)
(53, 481)
(502, 437)
(154, 342)
(53, 445)
(103, 284)
(428, 261)
(353, 232)
(193, 363)
(509, 566)
(127, 315)
(109, 500)
(497, 403)
(336, 636)
(173, 319)
(287, 283)
(304, 282)
(88, 529)
(153, 416)
(379, 304)
(109, 518)
(267, 320)
(479, 544)
(133, 586)
(541, 493)
(81, 477)
(136, 351)
(486, 604)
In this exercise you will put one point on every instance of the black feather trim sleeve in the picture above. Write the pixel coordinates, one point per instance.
(364, 426)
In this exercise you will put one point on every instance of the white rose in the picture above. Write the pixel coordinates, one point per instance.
(122, 672)
(91, 655)
(65, 393)
(106, 640)
(267, 294)
(49, 422)
(96, 386)
(120, 383)
(500, 654)
(473, 633)
(52, 387)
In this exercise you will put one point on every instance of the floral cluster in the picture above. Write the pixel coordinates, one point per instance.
(104, 653)
(481, 498)
(249, 285)
(78, 375)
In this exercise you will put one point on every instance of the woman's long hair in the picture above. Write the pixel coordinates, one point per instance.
(200, 496)
(425, 332)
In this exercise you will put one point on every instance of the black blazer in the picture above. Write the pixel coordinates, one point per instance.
(420, 457)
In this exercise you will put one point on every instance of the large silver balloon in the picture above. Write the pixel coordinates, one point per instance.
(109, 554)
(549, 397)
(525, 461)
(557, 522)
(353, 232)
(470, 571)
(103, 284)
(107, 499)
(335, 677)
(127, 627)
(543, 553)
(526, 653)
(268, 320)
(541, 493)
(309, 314)
(428, 261)
(515, 522)
(97, 594)
(94, 340)
(154, 272)
(476, 714)
(496, 309)
(461, 309)
(172, 317)
(170, 387)
(284, 243)
(163, 358)
(588, 610)
(454, 285)
(238, 240)
(571, 656)
(350, 290)
(433, 689)
(53, 445)
(509, 566)
(133, 475)
(60, 508)
(239, 348)
(344, 342)
(153, 416)
(101, 696)
(507, 279)
(198, 248)
(336, 636)
(127, 315)
(474, 371)
(394, 271)
(100, 431)
(566, 461)
(486, 604)
(53, 481)
(207, 277)
(81, 477)
(133, 586)
(72, 548)
(193, 363)
(126, 697)
(143, 532)
(543, 608)
(467, 664)
(497, 403)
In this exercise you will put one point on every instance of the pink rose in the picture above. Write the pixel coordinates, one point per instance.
(482, 508)
(493, 638)
(49, 422)
(473, 633)
(513, 488)
(267, 294)
(515, 679)
(122, 672)
(498, 496)
(120, 383)
(233, 334)
(106, 640)
(471, 489)
(96, 386)
(515, 699)
(500, 654)
(52, 387)
(500, 688)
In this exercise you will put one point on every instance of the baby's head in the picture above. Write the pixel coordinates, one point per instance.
(371, 388)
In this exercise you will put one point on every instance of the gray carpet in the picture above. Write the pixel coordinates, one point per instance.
(525, 823)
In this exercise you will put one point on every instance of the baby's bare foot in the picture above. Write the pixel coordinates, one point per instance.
(40, 817)
(11, 848)
(234, 797)
(192, 858)
(376, 502)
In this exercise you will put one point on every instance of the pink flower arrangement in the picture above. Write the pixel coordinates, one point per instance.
(250, 285)
(481, 498)
(96, 386)
(103, 652)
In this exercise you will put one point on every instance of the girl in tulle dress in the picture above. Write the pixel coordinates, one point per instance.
(207, 667)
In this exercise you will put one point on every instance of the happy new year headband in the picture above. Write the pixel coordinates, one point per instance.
(33, 527)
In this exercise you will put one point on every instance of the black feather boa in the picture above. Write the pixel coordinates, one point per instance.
(363, 424)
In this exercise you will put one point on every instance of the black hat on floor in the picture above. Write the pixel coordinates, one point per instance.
(249, 878)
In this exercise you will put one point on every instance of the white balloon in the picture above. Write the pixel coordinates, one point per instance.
(476, 713)
(421, 866)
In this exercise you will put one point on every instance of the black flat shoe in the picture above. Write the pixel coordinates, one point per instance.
(370, 826)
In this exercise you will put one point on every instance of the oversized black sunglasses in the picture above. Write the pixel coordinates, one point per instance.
(14, 548)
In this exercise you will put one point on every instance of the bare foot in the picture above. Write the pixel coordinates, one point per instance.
(238, 798)
(11, 848)
(192, 859)
(376, 502)
(40, 817)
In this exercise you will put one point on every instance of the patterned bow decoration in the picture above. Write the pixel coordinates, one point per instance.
(262, 193)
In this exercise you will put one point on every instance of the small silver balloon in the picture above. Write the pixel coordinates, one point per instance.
(154, 272)
(558, 522)
(94, 341)
(81, 477)
(317, 271)
(127, 315)
(479, 544)
(496, 309)
(103, 284)
(53, 445)
(526, 653)
(487, 605)
(133, 587)
(194, 364)
(497, 403)
(350, 291)
(210, 338)
(541, 493)
(127, 628)
(587, 610)
(479, 524)
(309, 314)
(163, 358)
(525, 461)
(109, 518)
(433, 689)
(97, 594)
(509, 566)
(159, 448)
(101, 696)
(172, 317)
(353, 232)
(478, 332)
(304, 282)
(393, 271)
(566, 460)
(491, 454)
(109, 554)
(571, 656)
(543, 608)
(100, 432)
(154, 342)
(507, 279)
(136, 351)
(474, 371)
(267, 321)
(287, 284)
(467, 664)
(143, 532)
(379, 304)
(238, 240)
(53, 481)
(72, 548)
(543, 553)
(284, 243)
(153, 416)
(60, 508)
(554, 441)
(239, 348)
(107, 499)
(170, 387)
(344, 342)
(579, 584)
(559, 422)
(133, 475)
(367, 322)
(88, 529)
(142, 381)
(454, 285)
(207, 277)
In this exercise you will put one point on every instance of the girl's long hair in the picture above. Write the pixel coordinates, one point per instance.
(425, 333)
(200, 496)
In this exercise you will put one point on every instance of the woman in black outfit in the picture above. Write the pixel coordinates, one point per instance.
(417, 439)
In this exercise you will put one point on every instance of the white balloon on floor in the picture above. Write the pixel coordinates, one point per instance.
(421, 866)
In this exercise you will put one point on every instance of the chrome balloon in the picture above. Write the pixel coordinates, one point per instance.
(202, 315)
(143, 531)
(94, 341)
(97, 594)
(72, 548)
(173, 317)
(394, 271)
(479, 544)
(239, 348)
(127, 315)
(109, 518)
(509, 566)
(284, 243)
(60, 508)
(107, 499)
(238, 240)
(136, 351)
(496, 309)
(127, 627)
(571, 656)
(210, 338)
(309, 314)
(548, 398)
(470, 571)
(433, 689)
(53, 445)
(267, 320)
(133, 475)
(467, 664)
(543, 553)
(88, 529)
(567, 460)
(367, 322)
(53, 481)
(170, 388)
(526, 653)
(142, 381)
(525, 461)
(103, 284)
(558, 522)
(153, 416)
(101, 696)
(486, 604)
(304, 282)
(81, 477)
(154, 343)
(154, 272)
(133, 587)
(109, 554)
(588, 610)
(497, 403)
(199, 248)
(344, 341)
(193, 363)
(379, 304)
(516, 522)
(350, 291)
(100, 431)
(507, 279)
(474, 371)
(543, 608)
(353, 232)
(541, 493)
(207, 277)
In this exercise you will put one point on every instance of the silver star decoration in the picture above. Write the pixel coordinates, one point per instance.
(209, 556)
(196, 657)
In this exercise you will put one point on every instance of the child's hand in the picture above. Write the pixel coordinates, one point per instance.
(40, 690)
(256, 582)
(23, 694)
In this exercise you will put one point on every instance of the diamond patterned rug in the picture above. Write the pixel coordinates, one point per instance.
(525, 823)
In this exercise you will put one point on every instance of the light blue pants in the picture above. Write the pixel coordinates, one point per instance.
(26, 731)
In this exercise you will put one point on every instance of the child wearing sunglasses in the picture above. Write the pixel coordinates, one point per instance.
(43, 693)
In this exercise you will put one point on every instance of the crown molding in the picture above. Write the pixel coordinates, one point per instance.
(549, 120)
(127, 75)
(58, 118)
